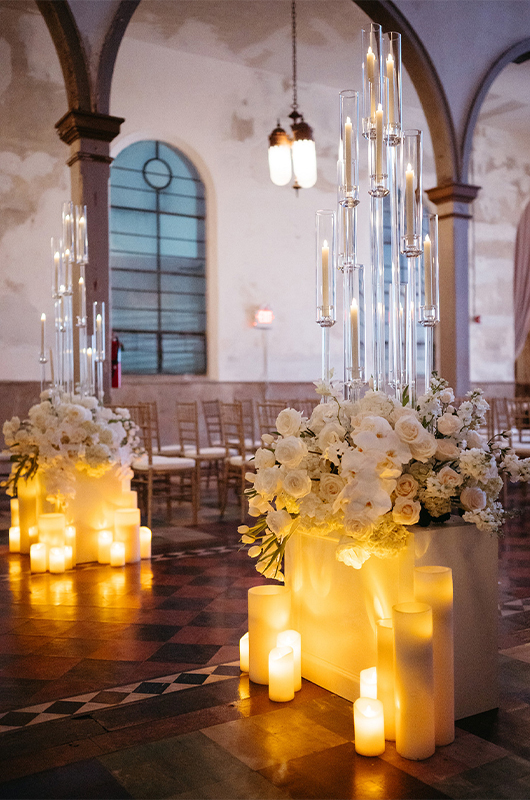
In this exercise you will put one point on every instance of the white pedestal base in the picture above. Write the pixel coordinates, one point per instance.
(335, 607)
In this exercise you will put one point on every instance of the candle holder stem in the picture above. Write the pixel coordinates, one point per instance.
(42, 361)
(429, 355)
(326, 360)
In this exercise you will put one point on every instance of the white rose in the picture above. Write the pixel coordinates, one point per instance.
(351, 554)
(449, 478)
(331, 434)
(330, 487)
(406, 511)
(290, 451)
(288, 422)
(267, 438)
(322, 414)
(297, 483)
(406, 485)
(448, 424)
(446, 450)
(268, 482)
(473, 498)
(264, 458)
(279, 522)
(409, 428)
(424, 448)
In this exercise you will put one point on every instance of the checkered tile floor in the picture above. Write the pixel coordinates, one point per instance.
(131, 693)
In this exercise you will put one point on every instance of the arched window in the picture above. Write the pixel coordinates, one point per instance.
(157, 260)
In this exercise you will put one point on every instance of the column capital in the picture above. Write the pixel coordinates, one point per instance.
(453, 193)
(77, 124)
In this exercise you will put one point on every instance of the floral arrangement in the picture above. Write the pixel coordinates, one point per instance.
(368, 469)
(68, 434)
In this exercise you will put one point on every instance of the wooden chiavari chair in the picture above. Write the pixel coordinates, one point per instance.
(238, 460)
(162, 476)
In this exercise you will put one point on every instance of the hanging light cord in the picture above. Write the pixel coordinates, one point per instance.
(294, 104)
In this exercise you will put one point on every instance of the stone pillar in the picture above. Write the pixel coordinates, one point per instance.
(452, 203)
(88, 135)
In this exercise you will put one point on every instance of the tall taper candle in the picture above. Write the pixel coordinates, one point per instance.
(434, 585)
(325, 279)
(379, 141)
(427, 267)
(413, 672)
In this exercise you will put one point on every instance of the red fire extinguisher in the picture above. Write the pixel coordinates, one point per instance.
(116, 347)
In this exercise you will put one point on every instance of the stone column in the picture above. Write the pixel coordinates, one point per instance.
(88, 135)
(452, 203)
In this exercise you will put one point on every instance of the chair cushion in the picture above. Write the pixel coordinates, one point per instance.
(237, 461)
(205, 452)
(163, 464)
(169, 450)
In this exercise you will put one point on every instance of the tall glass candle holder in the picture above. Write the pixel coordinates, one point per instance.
(81, 237)
(371, 50)
(392, 73)
(325, 266)
(69, 232)
(348, 184)
(378, 157)
(430, 308)
(99, 345)
(412, 205)
(354, 331)
(325, 260)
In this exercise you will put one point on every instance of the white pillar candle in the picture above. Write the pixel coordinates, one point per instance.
(369, 682)
(385, 675)
(27, 507)
(434, 585)
(145, 541)
(293, 639)
(14, 512)
(413, 673)
(128, 499)
(52, 528)
(14, 539)
(325, 279)
(68, 557)
(56, 559)
(269, 612)
(117, 554)
(281, 674)
(33, 535)
(379, 141)
(243, 653)
(427, 268)
(38, 558)
(70, 538)
(127, 530)
(104, 543)
(369, 726)
(409, 200)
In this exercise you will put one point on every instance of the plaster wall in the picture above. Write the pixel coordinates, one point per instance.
(34, 181)
(501, 166)
(193, 82)
(464, 38)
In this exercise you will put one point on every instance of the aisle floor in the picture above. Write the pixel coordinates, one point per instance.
(125, 683)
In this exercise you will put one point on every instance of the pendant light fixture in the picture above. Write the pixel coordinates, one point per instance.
(300, 148)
